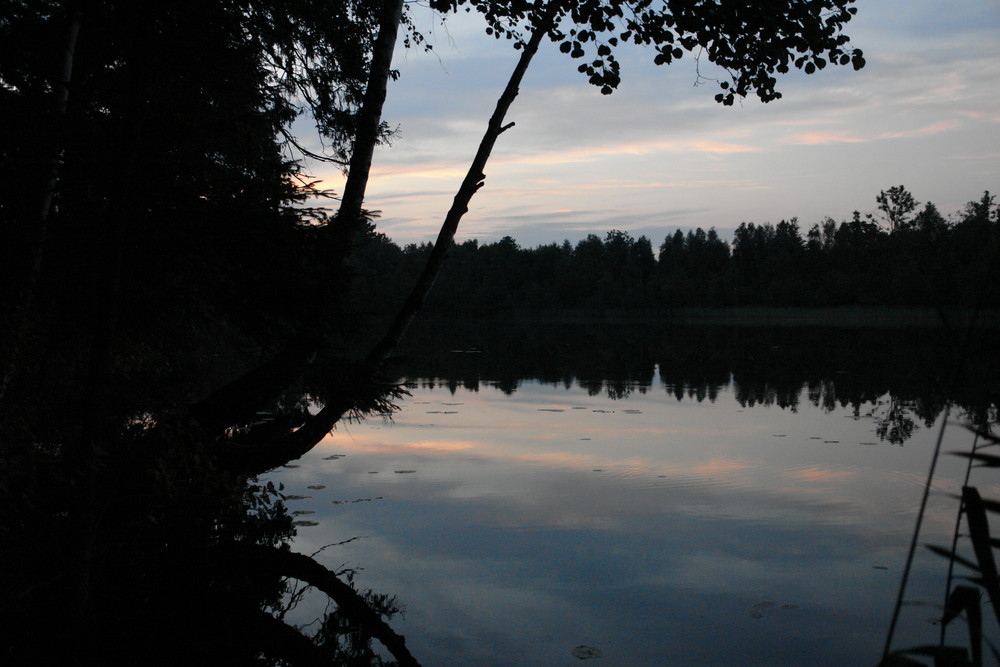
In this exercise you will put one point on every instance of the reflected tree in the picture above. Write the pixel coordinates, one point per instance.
(898, 378)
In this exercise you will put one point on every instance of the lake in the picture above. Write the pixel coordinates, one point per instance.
(647, 495)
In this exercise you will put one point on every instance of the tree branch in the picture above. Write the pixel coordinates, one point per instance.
(314, 430)
(302, 567)
(280, 640)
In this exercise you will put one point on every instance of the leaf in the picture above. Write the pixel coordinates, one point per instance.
(944, 656)
(979, 530)
(967, 599)
(899, 659)
(987, 460)
(941, 551)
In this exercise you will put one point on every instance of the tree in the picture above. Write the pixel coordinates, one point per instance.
(177, 234)
(147, 215)
(896, 205)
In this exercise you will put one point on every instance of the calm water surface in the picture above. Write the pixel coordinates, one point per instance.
(515, 528)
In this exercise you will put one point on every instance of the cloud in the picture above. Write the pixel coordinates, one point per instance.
(820, 137)
(933, 128)
(597, 152)
(984, 156)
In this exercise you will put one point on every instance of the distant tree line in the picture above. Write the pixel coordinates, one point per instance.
(900, 256)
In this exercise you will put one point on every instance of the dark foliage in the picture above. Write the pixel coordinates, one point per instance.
(164, 288)
(926, 260)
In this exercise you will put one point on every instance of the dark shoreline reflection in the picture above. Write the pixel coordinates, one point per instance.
(617, 472)
(910, 374)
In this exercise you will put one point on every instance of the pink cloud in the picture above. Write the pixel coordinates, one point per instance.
(821, 138)
(594, 153)
(933, 128)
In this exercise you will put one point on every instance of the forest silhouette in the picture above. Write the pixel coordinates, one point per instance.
(896, 258)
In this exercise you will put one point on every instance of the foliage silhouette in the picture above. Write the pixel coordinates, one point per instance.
(166, 286)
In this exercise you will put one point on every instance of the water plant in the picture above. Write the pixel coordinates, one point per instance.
(966, 594)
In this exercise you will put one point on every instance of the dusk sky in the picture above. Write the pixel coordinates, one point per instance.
(660, 154)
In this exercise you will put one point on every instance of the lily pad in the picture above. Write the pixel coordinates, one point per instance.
(586, 652)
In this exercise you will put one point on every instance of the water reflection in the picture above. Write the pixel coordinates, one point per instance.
(747, 511)
(902, 377)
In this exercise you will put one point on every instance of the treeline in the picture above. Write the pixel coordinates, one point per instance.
(904, 258)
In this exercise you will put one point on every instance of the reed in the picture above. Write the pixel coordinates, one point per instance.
(979, 585)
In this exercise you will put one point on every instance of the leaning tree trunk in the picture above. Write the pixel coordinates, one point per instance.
(237, 401)
(297, 443)
(349, 220)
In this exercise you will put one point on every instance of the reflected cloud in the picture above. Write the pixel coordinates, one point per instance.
(744, 515)
(815, 474)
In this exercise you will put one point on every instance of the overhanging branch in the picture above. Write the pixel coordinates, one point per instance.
(301, 441)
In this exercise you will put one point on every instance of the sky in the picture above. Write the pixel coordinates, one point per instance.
(660, 154)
